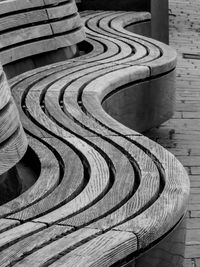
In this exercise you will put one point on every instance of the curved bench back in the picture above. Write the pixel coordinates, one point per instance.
(29, 28)
(13, 141)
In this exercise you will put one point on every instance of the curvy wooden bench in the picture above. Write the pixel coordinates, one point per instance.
(105, 194)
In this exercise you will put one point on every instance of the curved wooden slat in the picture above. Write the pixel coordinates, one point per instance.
(66, 9)
(12, 150)
(9, 6)
(53, 250)
(4, 90)
(104, 250)
(43, 186)
(17, 36)
(170, 206)
(20, 19)
(167, 59)
(9, 121)
(71, 184)
(29, 244)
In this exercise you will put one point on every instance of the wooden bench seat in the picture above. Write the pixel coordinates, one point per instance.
(104, 193)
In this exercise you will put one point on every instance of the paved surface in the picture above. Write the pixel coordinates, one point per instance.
(181, 134)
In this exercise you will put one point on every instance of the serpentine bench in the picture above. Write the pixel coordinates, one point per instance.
(104, 194)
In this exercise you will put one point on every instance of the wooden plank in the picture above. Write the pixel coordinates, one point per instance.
(45, 122)
(66, 24)
(104, 250)
(75, 72)
(146, 193)
(17, 36)
(104, 55)
(118, 25)
(96, 187)
(71, 183)
(13, 5)
(166, 61)
(71, 38)
(54, 109)
(149, 183)
(4, 90)
(6, 224)
(139, 46)
(9, 121)
(20, 19)
(19, 86)
(25, 50)
(63, 10)
(51, 251)
(28, 124)
(124, 182)
(93, 29)
(31, 243)
(19, 232)
(169, 207)
(47, 181)
(13, 150)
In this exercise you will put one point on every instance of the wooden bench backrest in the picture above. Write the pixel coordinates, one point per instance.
(33, 27)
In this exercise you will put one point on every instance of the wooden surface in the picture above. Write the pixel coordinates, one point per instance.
(109, 191)
(37, 27)
(103, 190)
(13, 142)
(159, 26)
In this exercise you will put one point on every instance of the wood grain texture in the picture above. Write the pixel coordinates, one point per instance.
(45, 184)
(16, 252)
(124, 182)
(20, 19)
(71, 38)
(9, 6)
(4, 90)
(13, 142)
(71, 183)
(104, 250)
(55, 249)
(68, 8)
(12, 150)
(98, 184)
(167, 59)
(17, 36)
(66, 24)
(44, 26)
(174, 198)
(9, 121)
(104, 190)
(6, 224)
(13, 235)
